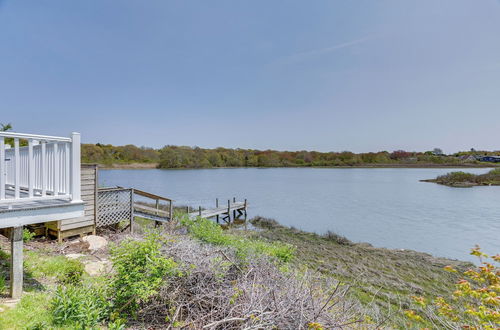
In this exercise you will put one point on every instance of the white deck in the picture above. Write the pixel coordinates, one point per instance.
(20, 213)
(39, 182)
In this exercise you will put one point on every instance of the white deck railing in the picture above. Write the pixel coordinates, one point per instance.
(48, 168)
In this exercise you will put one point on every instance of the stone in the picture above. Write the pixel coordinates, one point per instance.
(75, 255)
(96, 268)
(95, 242)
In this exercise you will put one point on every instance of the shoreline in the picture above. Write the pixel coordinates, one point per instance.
(147, 166)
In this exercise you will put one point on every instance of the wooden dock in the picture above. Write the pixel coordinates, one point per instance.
(234, 207)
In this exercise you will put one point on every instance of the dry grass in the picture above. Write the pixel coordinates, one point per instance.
(221, 291)
(382, 279)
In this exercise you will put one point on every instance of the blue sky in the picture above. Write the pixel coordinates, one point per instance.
(324, 75)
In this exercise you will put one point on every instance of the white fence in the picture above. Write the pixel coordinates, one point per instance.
(47, 168)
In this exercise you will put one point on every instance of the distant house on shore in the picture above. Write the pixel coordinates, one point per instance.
(467, 158)
(490, 159)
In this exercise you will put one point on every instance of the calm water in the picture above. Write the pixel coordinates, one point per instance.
(385, 207)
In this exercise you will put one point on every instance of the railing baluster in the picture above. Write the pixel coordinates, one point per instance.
(2, 168)
(56, 169)
(31, 169)
(17, 169)
(66, 168)
(43, 168)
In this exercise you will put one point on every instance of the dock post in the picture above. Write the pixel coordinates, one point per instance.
(171, 211)
(229, 210)
(157, 223)
(245, 209)
(234, 211)
(217, 206)
(199, 211)
(16, 262)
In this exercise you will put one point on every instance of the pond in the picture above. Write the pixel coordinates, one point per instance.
(385, 207)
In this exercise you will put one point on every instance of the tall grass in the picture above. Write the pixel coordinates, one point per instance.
(210, 232)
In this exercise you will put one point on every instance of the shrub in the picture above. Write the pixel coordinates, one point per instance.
(216, 293)
(71, 272)
(140, 269)
(27, 235)
(2, 283)
(456, 177)
(475, 304)
(339, 239)
(266, 223)
(80, 307)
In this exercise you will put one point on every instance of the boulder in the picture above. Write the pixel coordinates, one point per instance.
(75, 255)
(95, 242)
(96, 268)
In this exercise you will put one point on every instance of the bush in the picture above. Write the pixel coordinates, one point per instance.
(266, 223)
(2, 283)
(210, 232)
(71, 272)
(475, 304)
(79, 307)
(339, 239)
(217, 293)
(140, 269)
(27, 235)
(456, 177)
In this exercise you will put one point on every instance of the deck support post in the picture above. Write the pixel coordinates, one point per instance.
(229, 210)
(16, 262)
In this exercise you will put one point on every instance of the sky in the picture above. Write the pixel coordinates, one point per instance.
(327, 75)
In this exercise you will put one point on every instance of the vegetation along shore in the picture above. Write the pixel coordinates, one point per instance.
(191, 273)
(463, 179)
(130, 156)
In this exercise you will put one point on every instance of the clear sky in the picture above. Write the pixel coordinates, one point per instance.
(325, 75)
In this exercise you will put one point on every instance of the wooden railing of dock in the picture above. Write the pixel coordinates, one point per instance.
(234, 207)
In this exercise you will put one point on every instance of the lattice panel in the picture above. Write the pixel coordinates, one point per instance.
(114, 206)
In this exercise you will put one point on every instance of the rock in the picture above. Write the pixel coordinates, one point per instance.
(75, 255)
(9, 303)
(95, 242)
(96, 268)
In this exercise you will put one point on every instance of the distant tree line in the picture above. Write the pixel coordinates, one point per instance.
(195, 157)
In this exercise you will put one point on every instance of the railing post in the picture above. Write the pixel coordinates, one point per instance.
(31, 169)
(75, 168)
(17, 169)
(2, 168)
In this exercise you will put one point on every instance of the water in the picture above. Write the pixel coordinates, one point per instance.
(385, 207)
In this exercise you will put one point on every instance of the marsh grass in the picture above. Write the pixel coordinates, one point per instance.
(381, 279)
